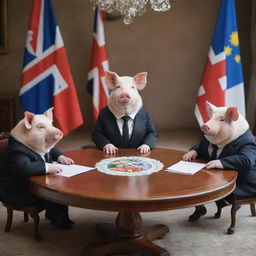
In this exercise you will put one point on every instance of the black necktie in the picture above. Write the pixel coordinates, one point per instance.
(125, 135)
(214, 151)
(47, 157)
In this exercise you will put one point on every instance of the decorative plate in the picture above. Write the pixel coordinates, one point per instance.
(129, 166)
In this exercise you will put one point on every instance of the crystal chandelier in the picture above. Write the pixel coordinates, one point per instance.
(130, 8)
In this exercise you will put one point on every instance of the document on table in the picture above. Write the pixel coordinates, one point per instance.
(72, 169)
(186, 167)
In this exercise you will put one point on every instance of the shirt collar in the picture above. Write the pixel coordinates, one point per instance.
(216, 145)
(132, 115)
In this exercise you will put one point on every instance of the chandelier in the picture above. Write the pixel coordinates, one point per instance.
(130, 8)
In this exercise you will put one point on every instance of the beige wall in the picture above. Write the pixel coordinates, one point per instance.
(172, 47)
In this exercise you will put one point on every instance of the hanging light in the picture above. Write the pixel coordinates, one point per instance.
(130, 8)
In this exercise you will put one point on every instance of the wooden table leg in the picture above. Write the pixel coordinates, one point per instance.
(128, 236)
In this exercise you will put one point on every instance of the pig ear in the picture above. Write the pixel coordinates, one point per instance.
(28, 119)
(49, 114)
(140, 80)
(209, 108)
(232, 113)
(111, 79)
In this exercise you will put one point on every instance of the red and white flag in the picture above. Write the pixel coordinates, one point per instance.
(222, 82)
(99, 64)
(46, 77)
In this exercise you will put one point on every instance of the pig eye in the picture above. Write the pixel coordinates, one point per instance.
(133, 87)
(41, 127)
(222, 119)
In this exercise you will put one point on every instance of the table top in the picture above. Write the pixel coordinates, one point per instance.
(158, 191)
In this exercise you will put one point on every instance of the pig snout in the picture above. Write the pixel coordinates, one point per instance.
(58, 135)
(208, 130)
(205, 128)
(54, 136)
(124, 98)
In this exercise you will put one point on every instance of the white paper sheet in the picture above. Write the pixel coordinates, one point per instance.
(73, 169)
(186, 167)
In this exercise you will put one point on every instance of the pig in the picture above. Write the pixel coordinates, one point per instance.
(31, 141)
(230, 131)
(124, 100)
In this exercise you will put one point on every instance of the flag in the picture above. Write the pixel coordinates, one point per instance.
(99, 64)
(222, 82)
(46, 77)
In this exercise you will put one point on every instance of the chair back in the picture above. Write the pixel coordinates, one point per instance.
(3, 144)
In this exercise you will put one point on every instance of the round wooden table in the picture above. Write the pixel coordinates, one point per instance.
(130, 195)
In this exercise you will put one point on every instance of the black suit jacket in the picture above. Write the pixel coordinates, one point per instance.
(239, 155)
(20, 163)
(106, 130)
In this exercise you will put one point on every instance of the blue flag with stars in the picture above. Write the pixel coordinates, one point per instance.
(222, 82)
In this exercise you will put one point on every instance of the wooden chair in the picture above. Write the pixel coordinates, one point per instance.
(236, 206)
(31, 210)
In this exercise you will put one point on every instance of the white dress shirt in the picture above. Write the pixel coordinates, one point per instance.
(120, 123)
(210, 149)
(46, 164)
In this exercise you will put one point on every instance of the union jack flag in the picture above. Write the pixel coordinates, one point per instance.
(46, 78)
(222, 82)
(99, 64)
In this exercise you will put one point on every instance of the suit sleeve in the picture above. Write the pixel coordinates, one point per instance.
(202, 149)
(196, 148)
(243, 160)
(55, 153)
(24, 166)
(98, 134)
(151, 136)
(199, 149)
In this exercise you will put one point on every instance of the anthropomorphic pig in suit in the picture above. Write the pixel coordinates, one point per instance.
(30, 152)
(236, 150)
(124, 102)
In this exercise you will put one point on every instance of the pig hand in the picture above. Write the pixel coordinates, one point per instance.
(53, 168)
(191, 155)
(65, 160)
(214, 164)
(110, 149)
(143, 149)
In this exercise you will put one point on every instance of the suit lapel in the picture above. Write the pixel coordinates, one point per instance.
(232, 146)
(36, 155)
(114, 128)
(25, 149)
(138, 123)
(205, 151)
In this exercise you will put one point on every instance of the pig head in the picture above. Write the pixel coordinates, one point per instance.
(37, 131)
(124, 97)
(225, 124)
